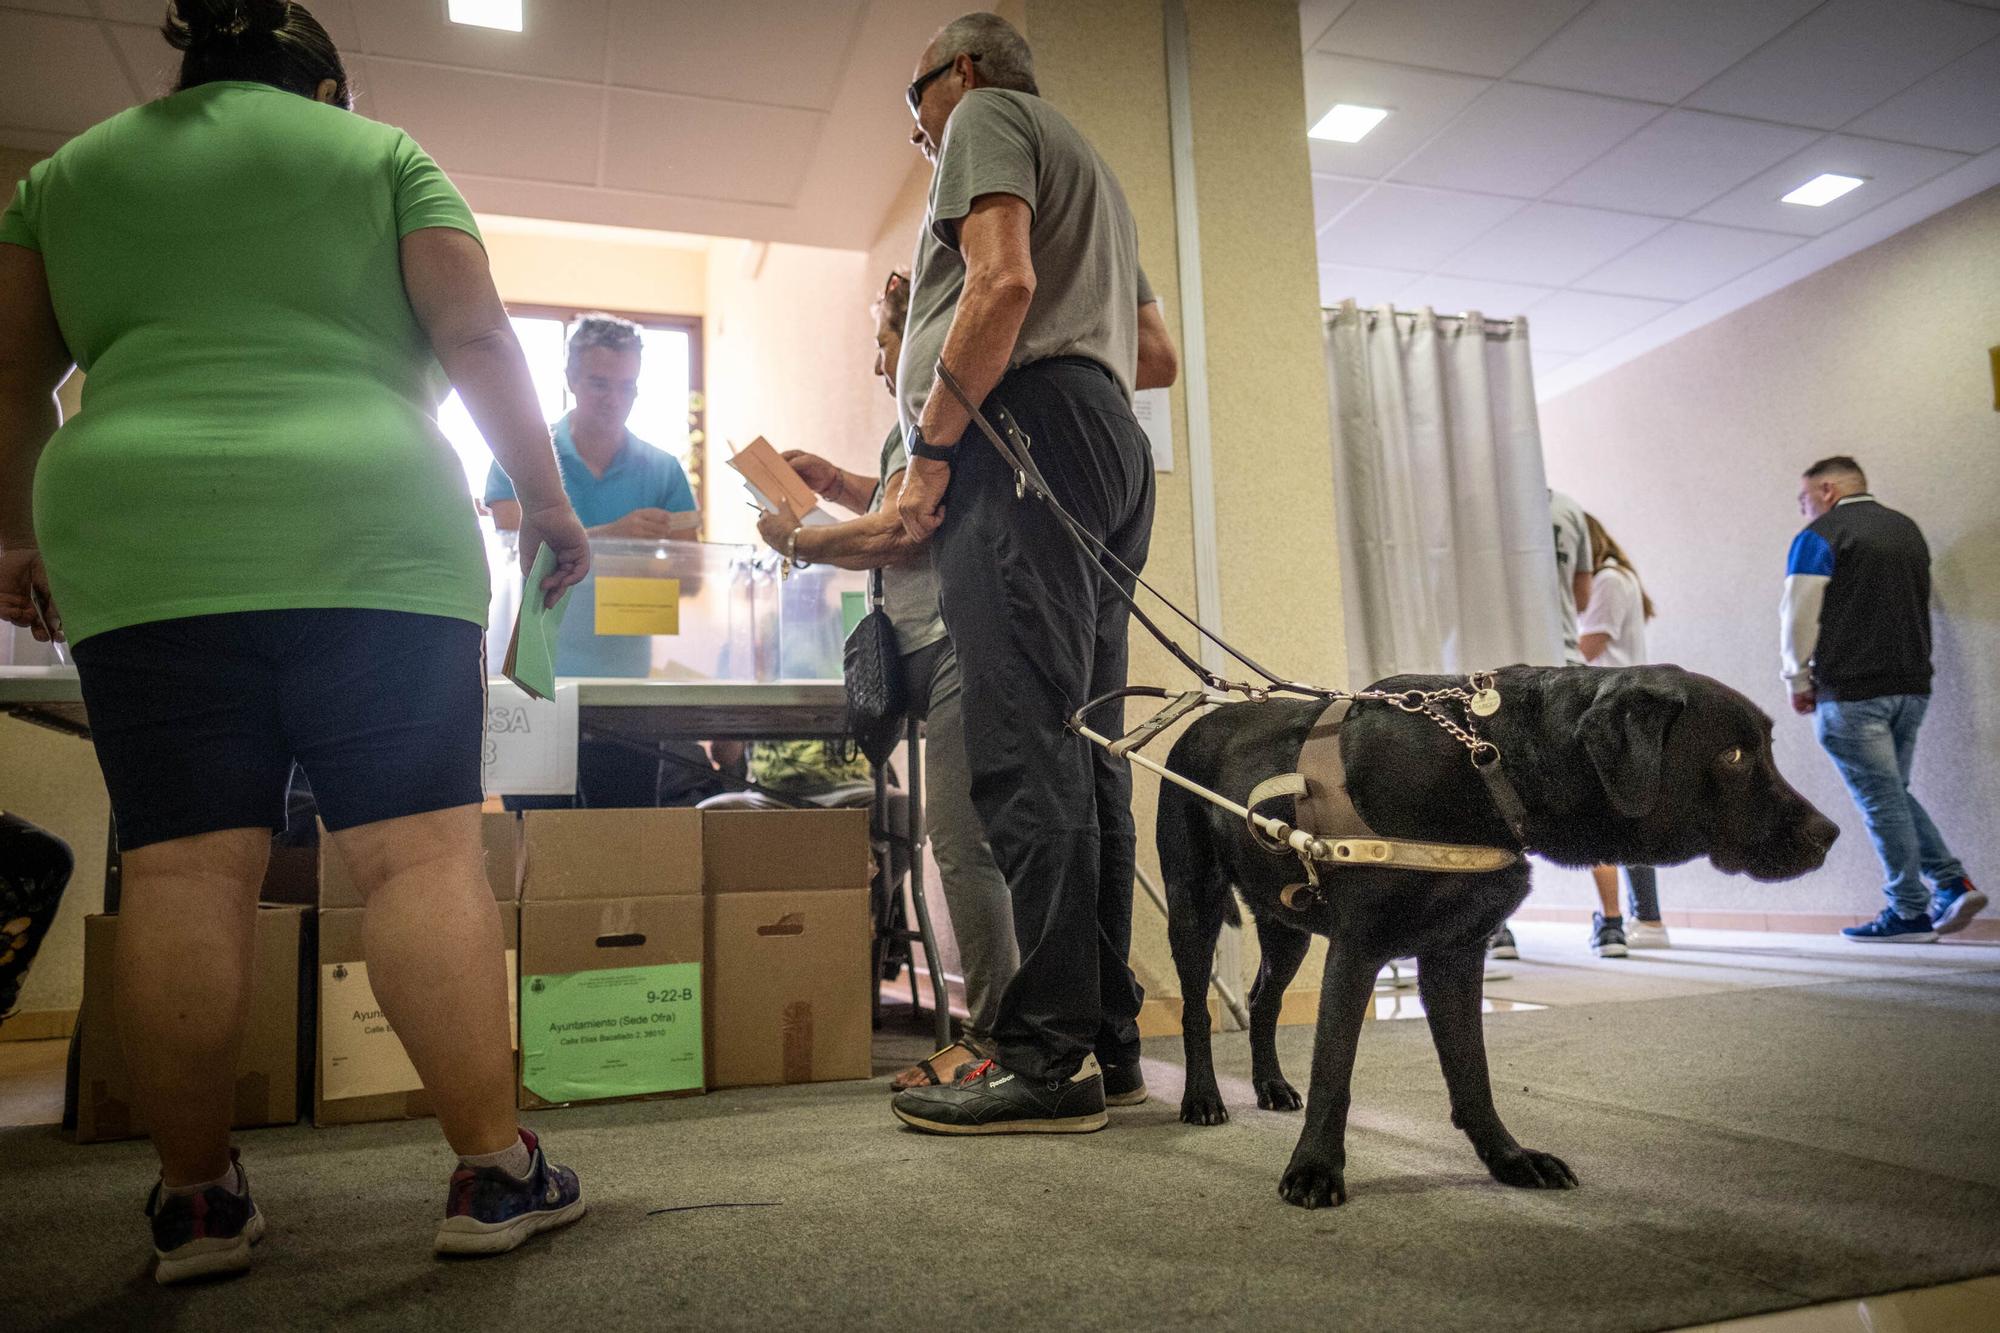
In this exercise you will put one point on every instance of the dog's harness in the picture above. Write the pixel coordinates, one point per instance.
(1328, 829)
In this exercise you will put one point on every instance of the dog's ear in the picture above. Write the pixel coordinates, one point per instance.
(1624, 732)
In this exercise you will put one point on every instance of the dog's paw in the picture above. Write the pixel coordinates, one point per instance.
(1274, 1094)
(1203, 1108)
(1529, 1170)
(1312, 1184)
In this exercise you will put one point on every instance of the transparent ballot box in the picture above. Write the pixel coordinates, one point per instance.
(695, 611)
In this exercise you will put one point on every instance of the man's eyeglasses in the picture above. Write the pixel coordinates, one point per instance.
(914, 94)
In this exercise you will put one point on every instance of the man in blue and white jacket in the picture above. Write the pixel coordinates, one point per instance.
(1856, 642)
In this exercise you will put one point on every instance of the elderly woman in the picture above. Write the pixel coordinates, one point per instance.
(263, 551)
(982, 915)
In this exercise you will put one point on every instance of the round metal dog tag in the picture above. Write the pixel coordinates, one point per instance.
(1486, 703)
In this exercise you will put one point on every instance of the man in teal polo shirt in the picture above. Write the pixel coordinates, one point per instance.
(620, 486)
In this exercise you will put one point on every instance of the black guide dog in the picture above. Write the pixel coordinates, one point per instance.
(1639, 766)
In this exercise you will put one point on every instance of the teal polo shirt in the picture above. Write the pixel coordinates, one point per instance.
(640, 477)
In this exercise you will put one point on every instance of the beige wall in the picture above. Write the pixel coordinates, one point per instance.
(599, 267)
(1268, 406)
(1691, 455)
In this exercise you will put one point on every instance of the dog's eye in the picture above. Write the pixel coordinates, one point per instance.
(1733, 757)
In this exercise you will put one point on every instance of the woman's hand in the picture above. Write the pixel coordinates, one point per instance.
(22, 581)
(777, 526)
(557, 525)
(814, 471)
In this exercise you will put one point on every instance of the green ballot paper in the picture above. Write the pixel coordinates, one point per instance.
(531, 653)
(614, 1032)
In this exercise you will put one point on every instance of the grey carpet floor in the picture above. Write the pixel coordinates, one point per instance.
(1739, 1152)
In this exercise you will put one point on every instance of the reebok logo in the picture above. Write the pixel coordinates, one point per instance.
(1004, 1078)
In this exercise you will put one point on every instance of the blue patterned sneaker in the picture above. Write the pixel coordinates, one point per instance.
(204, 1234)
(491, 1212)
(1954, 905)
(1889, 928)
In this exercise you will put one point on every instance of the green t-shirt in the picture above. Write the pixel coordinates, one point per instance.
(258, 429)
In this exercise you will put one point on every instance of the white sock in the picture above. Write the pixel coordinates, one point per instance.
(516, 1161)
(231, 1180)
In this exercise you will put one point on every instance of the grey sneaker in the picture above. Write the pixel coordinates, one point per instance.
(992, 1100)
(1502, 944)
(1607, 935)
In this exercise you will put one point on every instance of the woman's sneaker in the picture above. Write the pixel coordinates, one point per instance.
(1501, 944)
(1607, 935)
(1954, 905)
(1645, 934)
(491, 1212)
(1889, 928)
(204, 1234)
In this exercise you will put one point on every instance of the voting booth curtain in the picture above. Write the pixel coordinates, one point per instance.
(1447, 549)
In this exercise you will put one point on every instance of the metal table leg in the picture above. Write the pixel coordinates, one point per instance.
(916, 831)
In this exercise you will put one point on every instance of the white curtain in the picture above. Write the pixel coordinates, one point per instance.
(1447, 550)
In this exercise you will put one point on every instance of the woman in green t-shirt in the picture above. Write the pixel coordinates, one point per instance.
(263, 551)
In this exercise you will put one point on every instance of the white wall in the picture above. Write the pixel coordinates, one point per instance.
(1691, 455)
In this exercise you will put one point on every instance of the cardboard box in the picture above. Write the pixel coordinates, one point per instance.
(268, 1075)
(789, 929)
(500, 832)
(361, 1071)
(611, 956)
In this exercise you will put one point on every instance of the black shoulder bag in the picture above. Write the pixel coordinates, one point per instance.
(877, 694)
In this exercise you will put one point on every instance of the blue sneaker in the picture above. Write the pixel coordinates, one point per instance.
(1890, 928)
(205, 1234)
(491, 1212)
(1954, 905)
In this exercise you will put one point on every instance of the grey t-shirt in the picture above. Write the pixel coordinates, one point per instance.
(909, 591)
(1572, 553)
(1088, 286)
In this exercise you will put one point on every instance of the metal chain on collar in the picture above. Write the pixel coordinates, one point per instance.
(1481, 700)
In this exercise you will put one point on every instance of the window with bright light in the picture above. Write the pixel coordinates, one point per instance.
(667, 415)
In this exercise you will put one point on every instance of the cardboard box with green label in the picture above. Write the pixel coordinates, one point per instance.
(611, 955)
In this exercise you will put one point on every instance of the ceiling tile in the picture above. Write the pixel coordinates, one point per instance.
(1395, 226)
(1521, 141)
(153, 63)
(1888, 168)
(1551, 244)
(1680, 162)
(1315, 17)
(1958, 107)
(1845, 58)
(492, 124)
(1657, 51)
(1545, 361)
(1686, 260)
(1456, 296)
(57, 74)
(1419, 102)
(772, 51)
(559, 39)
(1331, 195)
(662, 144)
(1579, 321)
(1488, 37)
(1364, 286)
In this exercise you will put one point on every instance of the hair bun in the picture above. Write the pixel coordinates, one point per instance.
(192, 24)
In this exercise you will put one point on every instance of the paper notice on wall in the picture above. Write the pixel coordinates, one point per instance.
(1156, 414)
(530, 743)
(638, 606)
(618, 1032)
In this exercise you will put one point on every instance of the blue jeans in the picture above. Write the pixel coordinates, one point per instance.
(1642, 892)
(1873, 743)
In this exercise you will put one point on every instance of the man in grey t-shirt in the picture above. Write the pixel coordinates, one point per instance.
(1027, 287)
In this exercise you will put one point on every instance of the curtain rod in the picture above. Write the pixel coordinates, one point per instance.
(1494, 328)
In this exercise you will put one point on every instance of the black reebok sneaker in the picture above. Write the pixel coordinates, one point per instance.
(992, 1100)
(1124, 1084)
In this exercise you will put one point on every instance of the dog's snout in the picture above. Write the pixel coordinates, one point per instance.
(1821, 832)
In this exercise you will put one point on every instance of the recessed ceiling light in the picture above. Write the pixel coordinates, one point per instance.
(505, 14)
(1347, 123)
(1821, 189)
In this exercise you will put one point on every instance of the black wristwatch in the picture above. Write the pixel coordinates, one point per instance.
(937, 454)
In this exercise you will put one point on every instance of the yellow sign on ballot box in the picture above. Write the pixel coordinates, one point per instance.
(638, 606)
